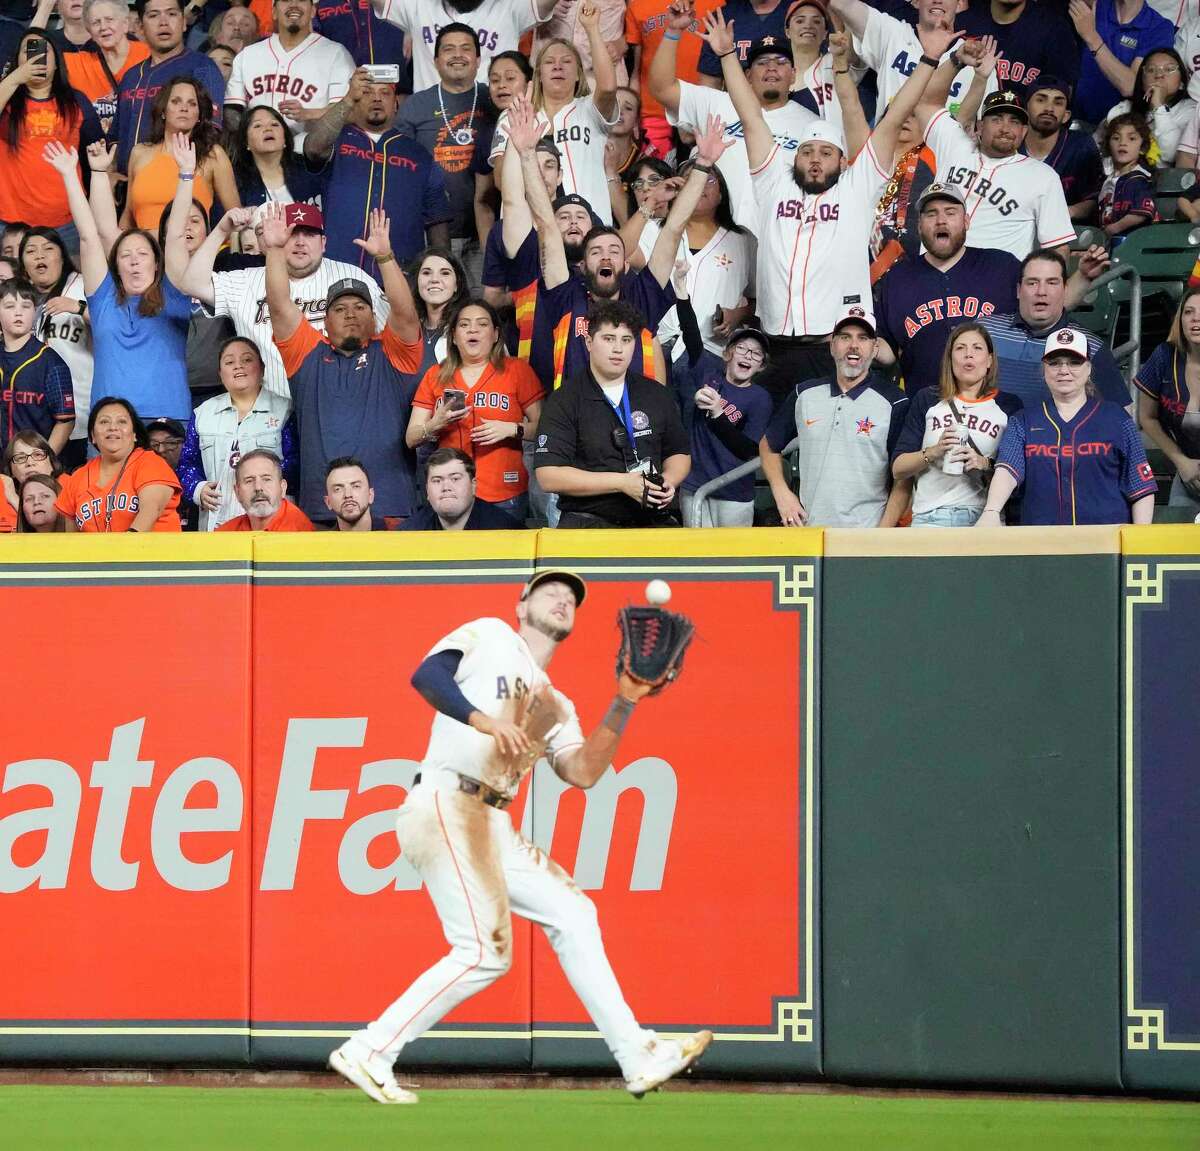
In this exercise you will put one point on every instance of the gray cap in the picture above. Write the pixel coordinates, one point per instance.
(350, 286)
(937, 191)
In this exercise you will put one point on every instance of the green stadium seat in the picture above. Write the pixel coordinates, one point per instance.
(1163, 254)
(1169, 185)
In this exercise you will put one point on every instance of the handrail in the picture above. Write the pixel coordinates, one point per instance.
(1132, 348)
(750, 467)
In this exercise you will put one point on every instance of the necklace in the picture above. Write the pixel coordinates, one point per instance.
(461, 136)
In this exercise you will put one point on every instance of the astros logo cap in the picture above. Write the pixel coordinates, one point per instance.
(823, 132)
(1069, 340)
(855, 314)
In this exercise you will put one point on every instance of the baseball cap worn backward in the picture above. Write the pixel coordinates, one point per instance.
(350, 286)
(769, 46)
(938, 191)
(1045, 83)
(1070, 340)
(559, 575)
(1004, 101)
(855, 314)
(823, 132)
(305, 216)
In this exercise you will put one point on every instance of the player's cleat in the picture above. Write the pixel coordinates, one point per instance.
(666, 1058)
(346, 1062)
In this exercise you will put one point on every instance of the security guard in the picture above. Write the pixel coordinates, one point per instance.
(610, 443)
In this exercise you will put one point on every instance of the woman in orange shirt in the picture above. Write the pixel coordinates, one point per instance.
(97, 73)
(127, 488)
(183, 105)
(483, 402)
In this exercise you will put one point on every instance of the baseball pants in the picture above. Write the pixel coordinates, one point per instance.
(478, 870)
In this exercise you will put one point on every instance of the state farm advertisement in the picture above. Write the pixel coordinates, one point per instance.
(197, 818)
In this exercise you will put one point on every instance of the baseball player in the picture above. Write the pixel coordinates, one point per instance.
(1014, 202)
(497, 713)
(297, 71)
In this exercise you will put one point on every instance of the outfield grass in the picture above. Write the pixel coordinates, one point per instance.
(293, 1119)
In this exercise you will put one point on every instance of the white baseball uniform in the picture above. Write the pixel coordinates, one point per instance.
(891, 47)
(478, 868)
(316, 73)
(578, 130)
(697, 103)
(813, 258)
(1015, 204)
(818, 80)
(1179, 12)
(1187, 44)
(242, 296)
(500, 25)
(70, 336)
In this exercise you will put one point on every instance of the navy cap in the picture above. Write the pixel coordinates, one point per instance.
(1046, 83)
(769, 46)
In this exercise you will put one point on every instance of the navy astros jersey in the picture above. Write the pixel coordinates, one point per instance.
(1076, 159)
(1085, 470)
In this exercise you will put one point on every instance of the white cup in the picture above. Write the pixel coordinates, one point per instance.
(955, 467)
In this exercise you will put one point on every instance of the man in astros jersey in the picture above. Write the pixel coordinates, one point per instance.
(497, 714)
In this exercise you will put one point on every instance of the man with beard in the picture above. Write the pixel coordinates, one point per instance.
(368, 165)
(923, 298)
(815, 215)
(1072, 153)
(262, 490)
(348, 390)
(349, 495)
(564, 296)
(847, 426)
(770, 74)
(298, 72)
(452, 506)
(1014, 202)
(1032, 39)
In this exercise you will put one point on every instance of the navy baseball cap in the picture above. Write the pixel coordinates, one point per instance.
(769, 46)
(1003, 101)
(1046, 83)
(350, 286)
(745, 332)
(162, 424)
(569, 198)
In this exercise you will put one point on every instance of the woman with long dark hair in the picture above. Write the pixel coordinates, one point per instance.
(440, 285)
(1160, 97)
(183, 105)
(266, 164)
(38, 104)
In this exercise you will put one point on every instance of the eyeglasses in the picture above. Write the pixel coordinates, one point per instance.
(641, 184)
(173, 442)
(1162, 69)
(749, 352)
(35, 457)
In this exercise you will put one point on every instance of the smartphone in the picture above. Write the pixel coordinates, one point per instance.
(383, 73)
(454, 399)
(37, 50)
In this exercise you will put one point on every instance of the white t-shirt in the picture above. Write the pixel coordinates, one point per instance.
(1015, 204)
(242, 296)
(500, 25)
(578, 130)
(71, 337)
(719, 275)
(891, 47)
(498, 675)
(1172, 128)
(985, 421)
(316, 73)
(697, 103)
(812, 249)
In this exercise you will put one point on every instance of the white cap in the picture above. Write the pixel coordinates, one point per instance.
(1070, 340)
(855, 314)
(823, 132)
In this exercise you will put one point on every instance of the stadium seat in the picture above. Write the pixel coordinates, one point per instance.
(1169, 185)
(1164, 255)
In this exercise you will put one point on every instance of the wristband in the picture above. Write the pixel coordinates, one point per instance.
(925, 457)
(668, 36)
(618, 714)
(841, 71)
(705, 168)
(722, 55)
(929, 60)
(186, 176)
(384, 258)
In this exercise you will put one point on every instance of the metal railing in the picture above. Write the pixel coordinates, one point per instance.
(749, 468)
(1131, 350)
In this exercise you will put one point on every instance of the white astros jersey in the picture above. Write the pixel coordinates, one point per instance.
(500, 677)
(1015, 204)
(697, 103)
(812, 249)
(242, 296)
(578, 131)
(499, 24)
(892, 49)
(316, 73)
(1187, 44)
(818, 80)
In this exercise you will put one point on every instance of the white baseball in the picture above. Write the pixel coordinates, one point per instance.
(658, 591)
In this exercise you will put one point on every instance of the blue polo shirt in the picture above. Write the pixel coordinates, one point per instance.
(1085, 470)
(394, 173)
(35, 390)
(1141, 36)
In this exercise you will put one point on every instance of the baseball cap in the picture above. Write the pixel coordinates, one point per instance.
(350, 286)
(545, 144)
(937, 191)
(1005, 101)
(823, 132)
(569, 198)
(1046, 83)
(162, 424)
(855, 314)
(305, 216)
(1070, 340)
(768, 46)
(574, 582)
(745, 332)
(796, 5)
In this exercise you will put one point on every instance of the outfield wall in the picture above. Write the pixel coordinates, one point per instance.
(919, 816)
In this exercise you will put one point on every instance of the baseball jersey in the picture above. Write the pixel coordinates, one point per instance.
(1015, 203)
(70, 336)
(354, 25)
(928, 418)
(578, 130)
(645, 23)
(812, 249)
(113, 507)
(845, 451)
(817, 81)
(917, 306)
(1163, 377)
(242, 296)
(519, 274)
(891, 47)
(745, 410)
(499, 677)
(35, 390)
(697, 103)
(1039, 40)
(315, 73)
(500, 24)
(1076, 161)
(749, 25)
(1129, 193)
(1187, 44)
(1084, 470)
(1177, 12)
(1095, 93)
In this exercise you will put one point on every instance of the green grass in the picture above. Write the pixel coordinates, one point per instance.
(293, 1119)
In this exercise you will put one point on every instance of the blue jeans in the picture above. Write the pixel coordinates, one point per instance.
(947, 518)
(517, 507)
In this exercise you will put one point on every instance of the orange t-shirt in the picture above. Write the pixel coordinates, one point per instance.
(289, 518)
(502, 394)
(84, 498)
(294, 350)
(8, 515)
(31, 190)
(264, 11)
(645, 23)
(85, 71)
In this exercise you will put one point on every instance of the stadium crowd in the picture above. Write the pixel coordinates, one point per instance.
(447, 264)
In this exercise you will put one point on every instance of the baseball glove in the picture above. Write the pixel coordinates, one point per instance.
(653, 642)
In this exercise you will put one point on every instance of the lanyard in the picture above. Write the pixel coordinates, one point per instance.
(626, 415)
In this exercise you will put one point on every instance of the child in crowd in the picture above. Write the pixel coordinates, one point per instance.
(1127, 197)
